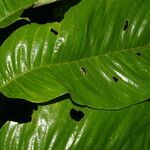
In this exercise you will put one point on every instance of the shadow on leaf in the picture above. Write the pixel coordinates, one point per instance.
(53, 12)
(6, 32)
(19, 110)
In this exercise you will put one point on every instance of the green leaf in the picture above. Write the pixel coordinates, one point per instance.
(11, 10)
(53, 128)
(90, 54)
(22, 75)
(43, 2)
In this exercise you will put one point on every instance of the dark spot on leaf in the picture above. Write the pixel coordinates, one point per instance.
(54, 31)
(138, 53)
(126, 25)
(76, 115)
(115, 79)
(83, 70)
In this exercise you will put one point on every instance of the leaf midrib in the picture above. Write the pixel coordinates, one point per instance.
(74, 61)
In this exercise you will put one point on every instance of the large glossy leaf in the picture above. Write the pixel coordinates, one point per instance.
(11, 10)
(98, 53)
(53, 128)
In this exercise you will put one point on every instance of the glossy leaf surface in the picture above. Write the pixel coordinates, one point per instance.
(101, 58)
(53, 128)
(100, 54)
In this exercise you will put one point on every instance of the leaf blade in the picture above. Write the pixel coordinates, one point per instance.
(52, 127)
(84, 60)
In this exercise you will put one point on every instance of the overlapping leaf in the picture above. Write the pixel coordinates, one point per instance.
(98, 53)
(53, 128)
(11, 10)
(43, 2)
